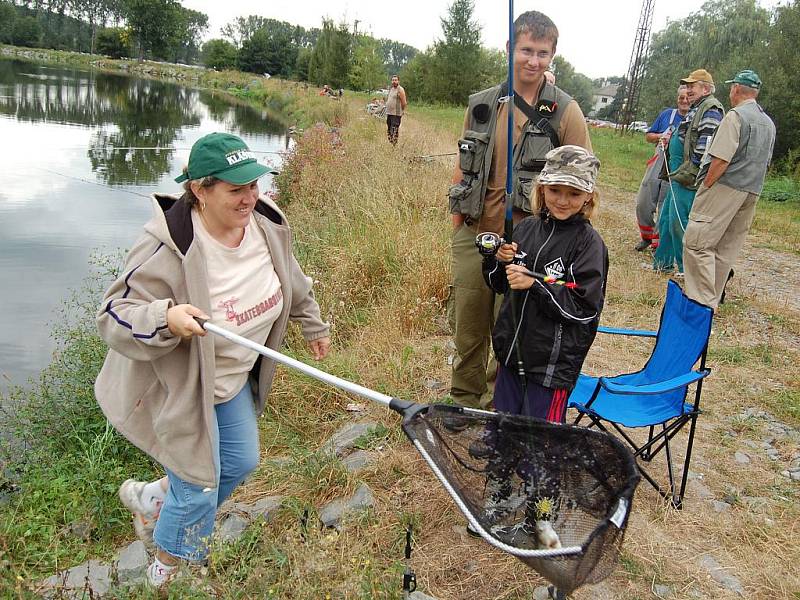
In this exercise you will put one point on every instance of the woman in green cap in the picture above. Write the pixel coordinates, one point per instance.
(220, 252)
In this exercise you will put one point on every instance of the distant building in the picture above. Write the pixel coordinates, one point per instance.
(603, 97)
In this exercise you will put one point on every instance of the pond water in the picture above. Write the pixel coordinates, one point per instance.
(79, 153)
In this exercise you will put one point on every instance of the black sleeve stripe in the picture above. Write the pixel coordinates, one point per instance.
(118, 319)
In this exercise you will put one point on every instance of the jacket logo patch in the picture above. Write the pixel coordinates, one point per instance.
(555, 268)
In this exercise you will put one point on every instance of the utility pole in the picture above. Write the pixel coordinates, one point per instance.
(633, 83)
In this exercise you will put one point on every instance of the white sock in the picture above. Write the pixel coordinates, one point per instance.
(153, 496)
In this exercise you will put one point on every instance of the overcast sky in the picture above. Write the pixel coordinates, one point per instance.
(595, 37)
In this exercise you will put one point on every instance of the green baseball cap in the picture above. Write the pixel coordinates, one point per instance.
(748, 78)
(224, 156)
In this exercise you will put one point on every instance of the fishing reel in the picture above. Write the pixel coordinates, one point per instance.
(488, 243)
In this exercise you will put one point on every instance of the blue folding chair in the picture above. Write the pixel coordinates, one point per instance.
(655, 396)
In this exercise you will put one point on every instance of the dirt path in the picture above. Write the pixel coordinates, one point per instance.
(762, 274)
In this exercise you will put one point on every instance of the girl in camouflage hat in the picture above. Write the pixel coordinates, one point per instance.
(557, 267)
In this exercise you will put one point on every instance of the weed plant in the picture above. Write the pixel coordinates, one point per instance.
(63, 462)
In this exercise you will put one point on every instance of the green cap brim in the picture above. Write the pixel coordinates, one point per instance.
(238, 175)
(243, 173)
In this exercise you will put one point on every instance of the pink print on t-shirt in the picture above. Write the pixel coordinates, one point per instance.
(252, 312)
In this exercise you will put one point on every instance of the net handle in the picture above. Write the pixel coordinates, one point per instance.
(318, 374)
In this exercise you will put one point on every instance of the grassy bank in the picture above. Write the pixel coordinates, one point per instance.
(371, 227)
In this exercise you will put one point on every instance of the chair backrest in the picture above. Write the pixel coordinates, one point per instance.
(682, 335)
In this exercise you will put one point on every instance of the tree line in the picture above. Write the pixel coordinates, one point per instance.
(724, 37)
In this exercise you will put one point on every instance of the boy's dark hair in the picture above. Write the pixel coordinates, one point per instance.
(537, 25)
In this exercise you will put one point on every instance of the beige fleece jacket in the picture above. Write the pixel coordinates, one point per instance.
(156, 389)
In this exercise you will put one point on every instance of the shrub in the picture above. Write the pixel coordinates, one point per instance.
(113, 42)
(26, 32)
(219, 54)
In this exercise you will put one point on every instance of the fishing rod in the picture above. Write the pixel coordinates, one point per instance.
(509, 222)
(437, 155)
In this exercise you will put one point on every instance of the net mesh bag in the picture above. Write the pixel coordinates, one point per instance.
(555, 496)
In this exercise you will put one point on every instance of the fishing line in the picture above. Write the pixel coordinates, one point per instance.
(105, 185)
(671, 189)
(157, 148)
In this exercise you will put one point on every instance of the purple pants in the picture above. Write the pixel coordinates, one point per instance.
(539, 401)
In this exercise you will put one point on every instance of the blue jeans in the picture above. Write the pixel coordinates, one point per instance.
(187, 516)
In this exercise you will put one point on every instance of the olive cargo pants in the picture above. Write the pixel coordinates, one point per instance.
(471, 310)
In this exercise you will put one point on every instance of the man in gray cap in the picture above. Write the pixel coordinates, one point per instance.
(732, 175)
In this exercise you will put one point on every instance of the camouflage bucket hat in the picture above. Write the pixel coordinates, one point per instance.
(570, 165)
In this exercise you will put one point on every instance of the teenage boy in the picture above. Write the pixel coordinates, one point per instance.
(544, 117)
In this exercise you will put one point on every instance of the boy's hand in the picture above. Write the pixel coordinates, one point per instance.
(517, 276)
(506, 252)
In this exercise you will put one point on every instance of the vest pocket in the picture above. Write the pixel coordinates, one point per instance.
(534, 146)
(522, 194)
(466, 198)
(472, 151)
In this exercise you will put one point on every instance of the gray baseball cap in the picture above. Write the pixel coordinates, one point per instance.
(570, 165)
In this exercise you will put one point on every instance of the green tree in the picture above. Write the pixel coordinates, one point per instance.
(395, 55)
(243, 28)
(457, 58)
(302, 63)
(266, 52)
(96, 12)
(154, 24)
(7, 17)
(577, 85)
(26, 32)
(368, 71)
(724, 36)
(113, 42)
(330, 60)
(219, 54)
(417, 76)
(189, 30)
(779, 65)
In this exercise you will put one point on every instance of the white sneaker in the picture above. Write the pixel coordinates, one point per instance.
(144, 517)
(159, 574)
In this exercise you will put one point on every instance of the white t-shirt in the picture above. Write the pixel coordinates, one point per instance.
(246, 298)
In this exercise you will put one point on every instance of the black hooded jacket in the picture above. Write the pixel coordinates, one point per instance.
(557, 324)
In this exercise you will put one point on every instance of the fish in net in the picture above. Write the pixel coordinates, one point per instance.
(557, 497)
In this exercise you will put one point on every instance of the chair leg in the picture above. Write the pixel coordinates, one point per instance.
(689, 444)
(676, 500)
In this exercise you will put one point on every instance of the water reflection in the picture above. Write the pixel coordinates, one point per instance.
(67, 161)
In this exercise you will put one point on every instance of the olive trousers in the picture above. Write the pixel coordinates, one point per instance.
(471, 310)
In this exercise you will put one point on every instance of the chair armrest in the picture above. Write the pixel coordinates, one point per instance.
(655, 388)
(633, 332)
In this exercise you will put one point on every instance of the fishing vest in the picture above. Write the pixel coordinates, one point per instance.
(686, 173)
(748, 166)
(476, 147)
